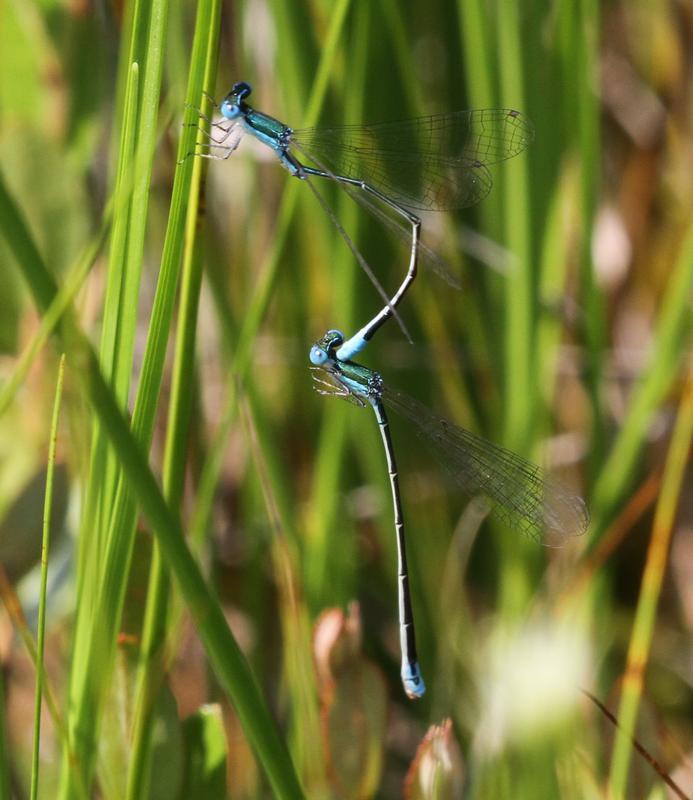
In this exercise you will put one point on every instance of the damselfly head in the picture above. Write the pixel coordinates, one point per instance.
(325, 349)
(233, 105)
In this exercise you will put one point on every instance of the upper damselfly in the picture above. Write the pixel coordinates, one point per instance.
(436, 163)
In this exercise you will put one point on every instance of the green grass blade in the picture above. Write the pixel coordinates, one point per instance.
(231, 667)
(268, 272)
(295, 625)
(205, 776)
(73, 283)
(45, 544)
(519, 300)
(519, 289)
(102, 470)
(324, 549)
(587, 60)
(672, 331)
(474, 35)
(150, 673)
(650, 590)
(123, 515)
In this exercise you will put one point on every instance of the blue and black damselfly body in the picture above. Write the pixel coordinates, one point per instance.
(438, 162)
(516, 491)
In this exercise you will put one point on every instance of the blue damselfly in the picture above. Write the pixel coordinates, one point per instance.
(517, 492)
(437, 163)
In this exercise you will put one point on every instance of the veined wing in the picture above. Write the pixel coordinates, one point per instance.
(402, 231)
(437, 162)
(520, 493)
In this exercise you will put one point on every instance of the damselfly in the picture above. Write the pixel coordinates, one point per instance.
(430, 163)
(516, 491)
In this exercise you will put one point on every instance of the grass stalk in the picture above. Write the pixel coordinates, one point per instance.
(152, 662)
(101, 467)
(650, 590)
(671, 331)
(586, 57)
(225, 656)
(74, 281)
(257, 308)
(519, 397)
(519, 299)
(323, 546)
(45, 545)
(295, 623)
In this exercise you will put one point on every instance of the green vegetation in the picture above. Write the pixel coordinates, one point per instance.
(212, 519)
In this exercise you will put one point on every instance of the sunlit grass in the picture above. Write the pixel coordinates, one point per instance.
(202, 287)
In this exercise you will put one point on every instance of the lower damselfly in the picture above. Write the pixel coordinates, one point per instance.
(432, 163)
(516, 491)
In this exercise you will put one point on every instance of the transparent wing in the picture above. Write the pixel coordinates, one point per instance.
(520, 493)
(437, 163)
(402, 231)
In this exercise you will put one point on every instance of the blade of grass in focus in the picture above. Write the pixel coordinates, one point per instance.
(152, 668)
(102, 471)
(519, 393)
(227, 659)
(214, 630)
(85, 706)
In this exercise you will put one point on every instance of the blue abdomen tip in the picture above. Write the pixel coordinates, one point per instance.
(414, 686)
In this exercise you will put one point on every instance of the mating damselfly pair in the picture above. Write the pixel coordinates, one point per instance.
(429, 163)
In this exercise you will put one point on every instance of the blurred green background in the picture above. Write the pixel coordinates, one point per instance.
(569, 343)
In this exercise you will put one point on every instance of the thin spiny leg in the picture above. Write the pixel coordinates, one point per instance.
(204, 116)
(210, 98)
(217, 142)
(227, 152)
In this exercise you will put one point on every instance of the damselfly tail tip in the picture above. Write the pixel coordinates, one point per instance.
(414, 686)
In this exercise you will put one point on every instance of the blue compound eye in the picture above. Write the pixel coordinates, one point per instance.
(230, 110)
(317, 356)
